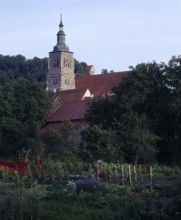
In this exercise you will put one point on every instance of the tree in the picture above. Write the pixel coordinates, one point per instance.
(145, 112)
(61, 142)
(100, 136)
(24, 108)
(134, 112)
(171, 129)
(104, 71)
(17, 66)
(100, 112)
(137, 140)
(84, 65)
(116, 133)
(173, 77)
(102, 144)
(79, 67)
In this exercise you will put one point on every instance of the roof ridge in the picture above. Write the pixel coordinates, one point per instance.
(84, 100)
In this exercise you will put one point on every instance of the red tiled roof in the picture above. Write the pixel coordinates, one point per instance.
(100, 84)
(73, 107)
(69, 111)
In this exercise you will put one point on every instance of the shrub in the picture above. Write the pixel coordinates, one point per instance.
(89, 185)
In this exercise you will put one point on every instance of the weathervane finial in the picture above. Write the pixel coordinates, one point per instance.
(61, 23)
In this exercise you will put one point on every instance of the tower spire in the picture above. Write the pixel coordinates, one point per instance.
(61, 45)
(61, 23)
(61, 64)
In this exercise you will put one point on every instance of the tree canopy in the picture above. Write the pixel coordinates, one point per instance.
(144, 114)
(61, 142)
(24, 107)
(80, 67)
(13, 67)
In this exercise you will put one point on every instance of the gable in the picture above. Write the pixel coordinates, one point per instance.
(74, 95)
(90, 70)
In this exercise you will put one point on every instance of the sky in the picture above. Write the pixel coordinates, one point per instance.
(109, 34)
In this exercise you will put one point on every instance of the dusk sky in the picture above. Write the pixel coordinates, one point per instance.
(110, 34)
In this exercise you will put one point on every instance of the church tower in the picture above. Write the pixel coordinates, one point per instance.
(60, 65)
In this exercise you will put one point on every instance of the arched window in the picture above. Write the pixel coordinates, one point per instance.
(65, 81)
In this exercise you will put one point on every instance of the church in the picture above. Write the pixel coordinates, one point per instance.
(72, 94)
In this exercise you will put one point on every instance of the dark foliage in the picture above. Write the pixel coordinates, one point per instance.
(13, 67)
(24, 107)
(89, 185)
(144, 115)
(80, 67)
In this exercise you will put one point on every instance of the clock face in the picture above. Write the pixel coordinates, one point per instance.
(54, 61)
(66, 62)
